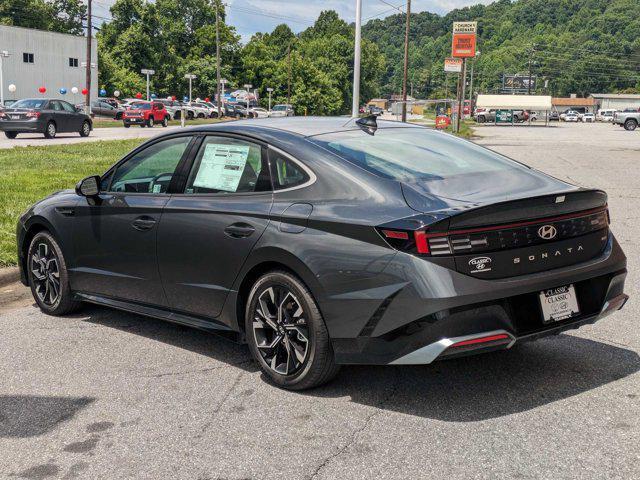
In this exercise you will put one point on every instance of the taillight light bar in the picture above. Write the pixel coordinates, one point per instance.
(475, 341)
(33, 114)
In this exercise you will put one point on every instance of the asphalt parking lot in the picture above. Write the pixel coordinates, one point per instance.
(105, 394)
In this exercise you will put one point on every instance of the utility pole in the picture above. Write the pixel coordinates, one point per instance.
(532, 50)
(473, 64)
(218, 61)
(88, 68)
(289, 74)
(3, 54)
(355, 105)
(406, 62)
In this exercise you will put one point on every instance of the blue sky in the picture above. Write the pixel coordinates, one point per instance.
(251, 16)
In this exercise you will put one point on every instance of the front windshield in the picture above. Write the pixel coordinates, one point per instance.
(279, 108)
(30, 103)
(412, 154)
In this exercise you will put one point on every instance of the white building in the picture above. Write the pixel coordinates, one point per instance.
(617, 101)
(45, 59)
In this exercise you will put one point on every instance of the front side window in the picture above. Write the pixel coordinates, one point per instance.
(55, 105)
(228, 165)
(151, 170)
(68, 107)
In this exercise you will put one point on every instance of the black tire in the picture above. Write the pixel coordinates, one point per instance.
(150, 122)
(176, 116)
(51, 130)
(630, 125)
(46, 267)
(126, 125)
(165, 122)
(85, 130)
(307, 334)
(11, 135)
(190, 115)
(481, 119)
(201, 115)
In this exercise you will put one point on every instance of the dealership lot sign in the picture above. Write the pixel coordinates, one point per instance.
(464, 39)
(453, 65)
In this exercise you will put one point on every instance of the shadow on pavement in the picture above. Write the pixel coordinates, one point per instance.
(459, 390)
(23, 416)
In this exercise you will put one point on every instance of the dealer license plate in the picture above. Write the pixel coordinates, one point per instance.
(559, 304)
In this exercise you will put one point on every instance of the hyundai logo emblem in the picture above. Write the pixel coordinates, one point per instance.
(547, 232)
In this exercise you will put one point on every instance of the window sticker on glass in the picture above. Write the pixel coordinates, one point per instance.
(222, 167)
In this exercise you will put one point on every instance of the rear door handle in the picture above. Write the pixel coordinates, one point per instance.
(239, 230)
(144, 223)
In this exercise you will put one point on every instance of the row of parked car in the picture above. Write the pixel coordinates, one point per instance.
(115, 108)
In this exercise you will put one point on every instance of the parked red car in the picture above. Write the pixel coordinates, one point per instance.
(146, 114)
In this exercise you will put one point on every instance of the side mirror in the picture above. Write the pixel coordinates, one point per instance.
(88, 187)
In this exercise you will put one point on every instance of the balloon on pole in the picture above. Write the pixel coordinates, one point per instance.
(154, 96)
(116, 93)
(42, 90)
(74, 90)
(12, 88)
(103, 92)
(63, 91)
(138, 95)
(84, 91)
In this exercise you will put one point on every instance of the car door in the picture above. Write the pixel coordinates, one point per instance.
(115, 234)
(207, 231)
(74, 117)
(59, 116)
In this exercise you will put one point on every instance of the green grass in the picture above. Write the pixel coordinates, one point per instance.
(106, 123)
(28, 174)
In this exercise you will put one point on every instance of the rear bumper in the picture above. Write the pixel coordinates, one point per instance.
(419, 321)
(21, 126)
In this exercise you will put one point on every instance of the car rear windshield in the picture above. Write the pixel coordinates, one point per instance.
(32, 103)
(410, 155)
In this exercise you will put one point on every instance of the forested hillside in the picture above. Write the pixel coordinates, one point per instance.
(579, 46)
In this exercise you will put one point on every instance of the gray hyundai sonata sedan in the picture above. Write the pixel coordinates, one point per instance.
(327, 241)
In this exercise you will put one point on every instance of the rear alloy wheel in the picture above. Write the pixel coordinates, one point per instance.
(85, 130)
(630, 124)
(286, 333)
(11, 135)
(51, 130)
(48, 277)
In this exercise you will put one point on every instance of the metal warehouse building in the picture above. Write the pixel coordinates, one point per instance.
(45, 59)
(617, 101)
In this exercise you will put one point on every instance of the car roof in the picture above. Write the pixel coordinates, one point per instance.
(302, 126)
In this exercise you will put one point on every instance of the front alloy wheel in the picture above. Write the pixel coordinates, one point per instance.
(286, 333)
(48, 276)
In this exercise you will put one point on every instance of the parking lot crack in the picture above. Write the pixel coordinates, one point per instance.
(356, 433)
(200, 370)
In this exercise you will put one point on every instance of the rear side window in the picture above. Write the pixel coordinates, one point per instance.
(229, 165)
(285, 172)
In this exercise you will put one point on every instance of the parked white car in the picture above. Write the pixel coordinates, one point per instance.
(605, 115)
(563, 115)
(571, 117)
(200, 109)
(259, 112)
(282, 110)
(588, 118)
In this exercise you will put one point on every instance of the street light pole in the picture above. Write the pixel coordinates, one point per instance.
(406, 62)
(88, 66)
(3, 54)
(190, 77)
(269, 90)
(148, 72)
(247, 87)
(355, 106)
(218, 61)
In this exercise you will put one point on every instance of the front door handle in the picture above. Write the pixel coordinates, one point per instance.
(239, 230)
(143, 223)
